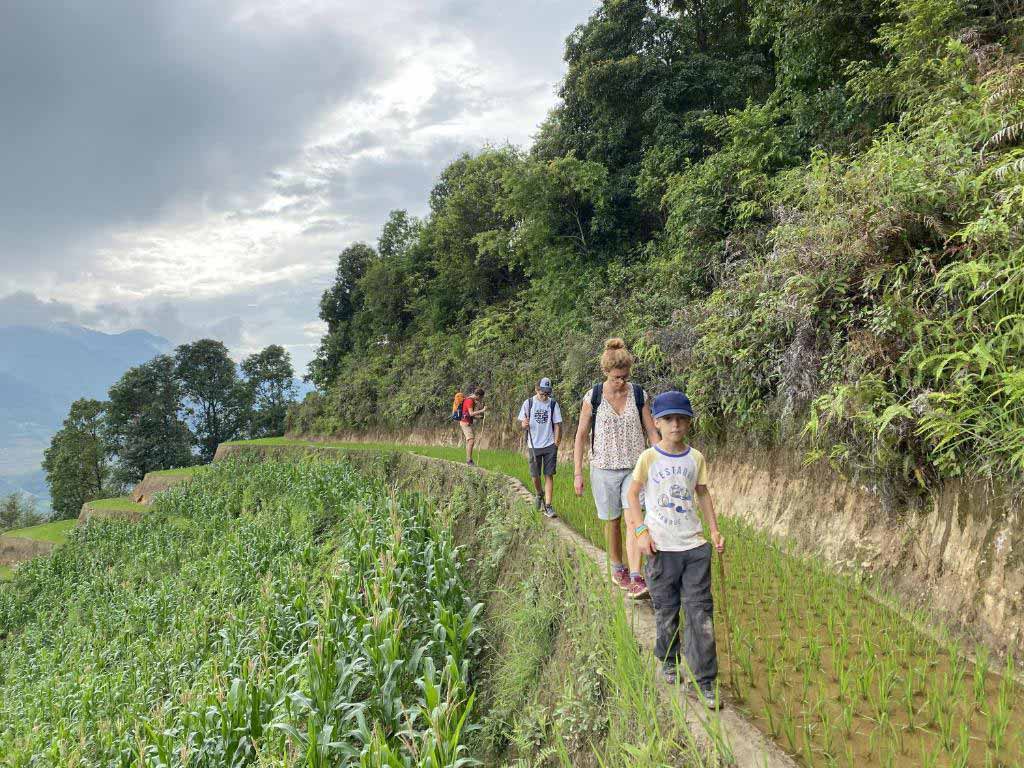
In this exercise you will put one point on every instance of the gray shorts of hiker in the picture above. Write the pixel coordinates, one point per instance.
(684, 579)
(543, 459)
(610, 487)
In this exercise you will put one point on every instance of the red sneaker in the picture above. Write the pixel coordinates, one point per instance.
(620, 578)
(637, 589)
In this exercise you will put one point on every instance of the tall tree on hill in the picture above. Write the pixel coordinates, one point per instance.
(468, 269)
(338, 306)
(270, 379)
(214, 397)
(388, 289)
(143, 423)
(78, 462)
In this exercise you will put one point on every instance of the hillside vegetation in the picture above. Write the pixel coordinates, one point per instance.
(808, 214)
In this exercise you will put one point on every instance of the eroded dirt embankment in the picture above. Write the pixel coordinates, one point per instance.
(15, 550)
(958, 554)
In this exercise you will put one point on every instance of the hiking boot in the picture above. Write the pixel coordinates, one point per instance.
(620, 578)
(637, 589)
(708, 695)
(539, 501)
(549, 511)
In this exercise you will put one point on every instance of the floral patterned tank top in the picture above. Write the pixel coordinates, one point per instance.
(620, 438)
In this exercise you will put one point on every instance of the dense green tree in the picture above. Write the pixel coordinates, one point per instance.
(143, 421)
(78, 461)
(18, 510)
(270, 379)
(388, 287)
(464, 215)
(338, 306)
(215, 399)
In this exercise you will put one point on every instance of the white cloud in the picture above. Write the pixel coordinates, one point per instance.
(323, 117)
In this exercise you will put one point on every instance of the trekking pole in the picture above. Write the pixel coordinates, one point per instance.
(728, 624)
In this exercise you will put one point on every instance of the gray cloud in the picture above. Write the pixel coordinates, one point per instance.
(119, 109)
(24, 308)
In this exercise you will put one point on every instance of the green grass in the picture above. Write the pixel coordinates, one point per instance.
(181, 471)
(55, 532)
(118, 504)
(5, 572)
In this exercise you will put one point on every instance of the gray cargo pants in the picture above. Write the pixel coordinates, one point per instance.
(684, 578)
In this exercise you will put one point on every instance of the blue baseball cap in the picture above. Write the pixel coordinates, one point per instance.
(671, 402)
(545, 385)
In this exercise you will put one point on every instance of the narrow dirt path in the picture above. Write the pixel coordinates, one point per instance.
(749, 747)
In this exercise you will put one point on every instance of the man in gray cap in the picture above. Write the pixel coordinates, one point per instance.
(541, 417)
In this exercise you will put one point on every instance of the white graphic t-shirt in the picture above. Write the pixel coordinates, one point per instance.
(670, 508)
(542, 421)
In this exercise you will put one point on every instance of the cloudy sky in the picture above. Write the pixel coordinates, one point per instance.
(193, 167)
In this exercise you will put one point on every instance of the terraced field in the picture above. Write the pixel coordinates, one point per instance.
(820, 663)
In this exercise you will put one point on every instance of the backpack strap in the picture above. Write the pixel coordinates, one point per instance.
(595, 401)
(638, 396)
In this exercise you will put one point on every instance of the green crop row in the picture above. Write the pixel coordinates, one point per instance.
(304, 617)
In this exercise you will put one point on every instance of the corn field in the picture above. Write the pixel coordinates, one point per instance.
(267, 614)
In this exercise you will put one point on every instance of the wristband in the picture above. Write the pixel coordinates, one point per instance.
(640, 531)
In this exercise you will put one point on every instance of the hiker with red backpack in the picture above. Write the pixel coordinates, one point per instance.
(616, 416)
(541, 417)
(468, 411)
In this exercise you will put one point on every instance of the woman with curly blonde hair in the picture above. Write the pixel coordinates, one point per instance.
(617, 417)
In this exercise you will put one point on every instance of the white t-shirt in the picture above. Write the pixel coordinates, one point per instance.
(542, 421)
(669, 481)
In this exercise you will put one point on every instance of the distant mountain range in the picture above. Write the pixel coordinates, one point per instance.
(42, 371)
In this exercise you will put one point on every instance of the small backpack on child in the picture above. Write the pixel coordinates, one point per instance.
(457, 407)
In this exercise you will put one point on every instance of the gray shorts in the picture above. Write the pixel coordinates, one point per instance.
(545, 459)
(610, 488)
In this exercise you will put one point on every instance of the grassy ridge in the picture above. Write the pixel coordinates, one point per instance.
(55, 532)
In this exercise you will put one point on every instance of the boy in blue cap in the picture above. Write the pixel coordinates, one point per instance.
(673, 476)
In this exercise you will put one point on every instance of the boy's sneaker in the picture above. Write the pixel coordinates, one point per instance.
(469, 463)
(620, 578)
(637, 589)
(669, 675)
(539, 501)
(549, 511)
(709, 696)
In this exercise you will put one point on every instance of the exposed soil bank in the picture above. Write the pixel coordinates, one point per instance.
(154, 483)
(15, 550)
(122, 510)
(958, 554)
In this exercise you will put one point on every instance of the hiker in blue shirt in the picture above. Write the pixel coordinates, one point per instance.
(541, 417)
